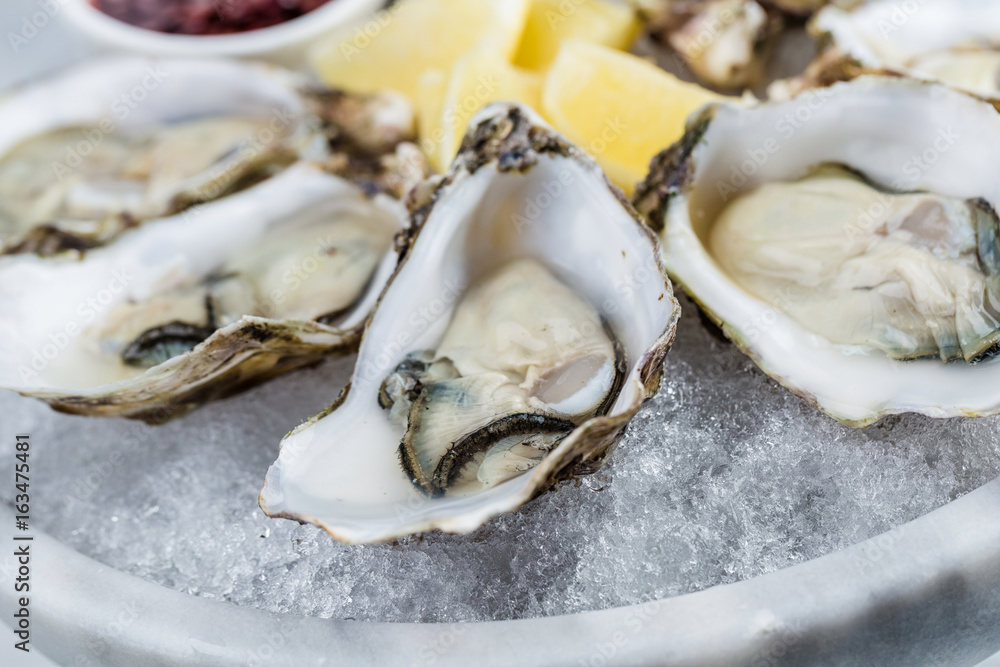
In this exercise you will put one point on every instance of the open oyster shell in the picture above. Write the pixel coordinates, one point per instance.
(520, 208)
(93, 151)
(725, 43)
(906, 136)
(951, 41)
(370, 139)
(202, 304)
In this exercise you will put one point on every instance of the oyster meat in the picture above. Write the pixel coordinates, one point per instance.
(912, 274)
(522, 363)
(92, 152)
(201, 304)
(523, 328)
(855, 258)
(127, 178)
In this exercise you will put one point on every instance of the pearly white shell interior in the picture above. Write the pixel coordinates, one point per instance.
(132, 93)
(901, 133)
(881, 32)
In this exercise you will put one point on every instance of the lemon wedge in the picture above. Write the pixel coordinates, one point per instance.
(478, 78)
(620, 108)
(550, 22)
(397, 45)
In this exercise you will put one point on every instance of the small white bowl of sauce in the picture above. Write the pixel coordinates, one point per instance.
(276, 30)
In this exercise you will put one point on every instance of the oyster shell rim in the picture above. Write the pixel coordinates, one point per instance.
(836, 60)
(265, 86)
(512, 137)
(670, 179)
(271, 346)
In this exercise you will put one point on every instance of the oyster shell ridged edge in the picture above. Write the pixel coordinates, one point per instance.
(514, 139)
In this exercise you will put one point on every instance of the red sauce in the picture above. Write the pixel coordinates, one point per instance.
(205, 17)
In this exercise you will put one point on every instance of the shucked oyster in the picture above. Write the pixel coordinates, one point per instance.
(370, 139)
(199, 305)
(729, 43)
(953, 41)
(525, 325)
(725, 43)
(856, 259)
(96, 150)
(917, 276)
(522, 363)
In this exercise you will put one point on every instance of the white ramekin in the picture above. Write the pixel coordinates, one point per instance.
(285, 43)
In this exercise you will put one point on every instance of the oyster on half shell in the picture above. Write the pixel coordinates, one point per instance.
(93, 151)
(523, 361)
(524, 326)
(856, 258)
(918, 278)
(725, 43)
(199, 305)
(952, 41)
